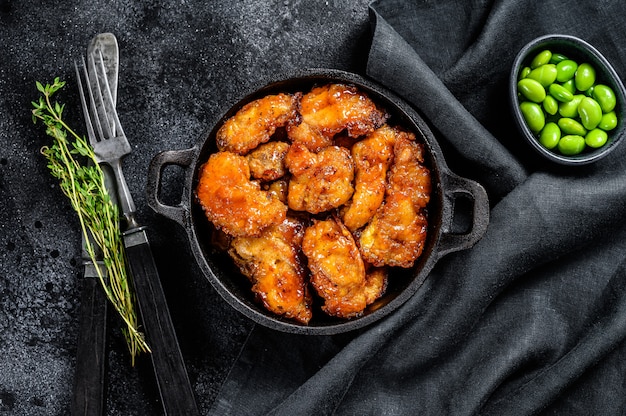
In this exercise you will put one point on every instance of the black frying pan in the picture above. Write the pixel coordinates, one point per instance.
(403, 283)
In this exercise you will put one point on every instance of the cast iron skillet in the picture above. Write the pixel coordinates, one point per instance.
(235, 288)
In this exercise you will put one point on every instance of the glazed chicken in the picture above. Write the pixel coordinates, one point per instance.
(278, 189)
(231, 201)
(330, 109)
(338, 273)
(315, 194)
(320, 181)
(397, 232)
(372, 158)
(272, 263)
(257, 121)
(267, 161)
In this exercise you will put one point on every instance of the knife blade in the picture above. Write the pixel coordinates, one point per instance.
(89, 379)
(171, 375)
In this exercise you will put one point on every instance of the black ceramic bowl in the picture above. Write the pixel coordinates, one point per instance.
(579, 51)
(403, 283)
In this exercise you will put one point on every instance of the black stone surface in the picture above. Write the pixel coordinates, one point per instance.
(182, 63)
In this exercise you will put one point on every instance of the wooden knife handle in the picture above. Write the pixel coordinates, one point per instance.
(88, 393)
(169, 368)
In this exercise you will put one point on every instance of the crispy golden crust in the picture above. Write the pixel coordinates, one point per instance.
(396, 234)
(320, 181)
(255, 122)
(337, 269)
(372, 158)
(279, 189)
(267, 161)
(330, 109)
(272, 263)
(231, 201)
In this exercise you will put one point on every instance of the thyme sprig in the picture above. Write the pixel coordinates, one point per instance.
(84, 185)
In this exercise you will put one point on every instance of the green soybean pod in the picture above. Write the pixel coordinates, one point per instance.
(533, 115)
(557, 57)
(551, 105)
(608, 121)
(531, 89)
(541, 58)
(560, 93)
(596, 138)
(570, 108)
(524, 72)
(550, 135)
(545, 74)
(565, 70)
(570, 86)
(605, 96)
(571, 144)
(585, 76)
(571, 126)
(590, 113)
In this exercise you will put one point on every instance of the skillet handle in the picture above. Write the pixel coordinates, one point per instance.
(459, 187)
(183, 158)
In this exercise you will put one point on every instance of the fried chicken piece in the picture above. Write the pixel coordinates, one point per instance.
(320, 181)
(332, 108)
(372, 158)
(274, 266)
(256, 121)
(231, 201)
(266, 161)
(396, 234)
(279, 189)
(338, 273)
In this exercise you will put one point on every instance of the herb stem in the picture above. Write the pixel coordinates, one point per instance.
(98, 216)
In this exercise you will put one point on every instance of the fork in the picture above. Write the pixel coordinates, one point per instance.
(107, 139)
(110, 144)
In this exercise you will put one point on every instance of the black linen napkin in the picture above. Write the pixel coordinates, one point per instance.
(532, 320)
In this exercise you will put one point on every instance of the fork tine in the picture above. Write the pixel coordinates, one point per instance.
(90, 131)
(99, 105)
(96, 110)
(92, 109)
(104, 93)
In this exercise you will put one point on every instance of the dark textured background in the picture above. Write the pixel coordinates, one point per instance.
(182, 63)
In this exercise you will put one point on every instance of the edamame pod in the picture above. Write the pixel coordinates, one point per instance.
(551, 105)
(605, 97)
(570, 108)
(531, 89)
(596, 138)
(541, 58)
(545, 74)
(570, 86)
(560, 93)
(565, 70)
(571, 144)
(608, 121)
(571, 126)
(524, 72)
(534, 117)
(557, 57)
(585, 76)
(550, 135)
(590, 113)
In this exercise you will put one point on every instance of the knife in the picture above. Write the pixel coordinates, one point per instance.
(89, 386)
(173, 382)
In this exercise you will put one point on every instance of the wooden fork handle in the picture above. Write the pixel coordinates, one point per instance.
(169, 368)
